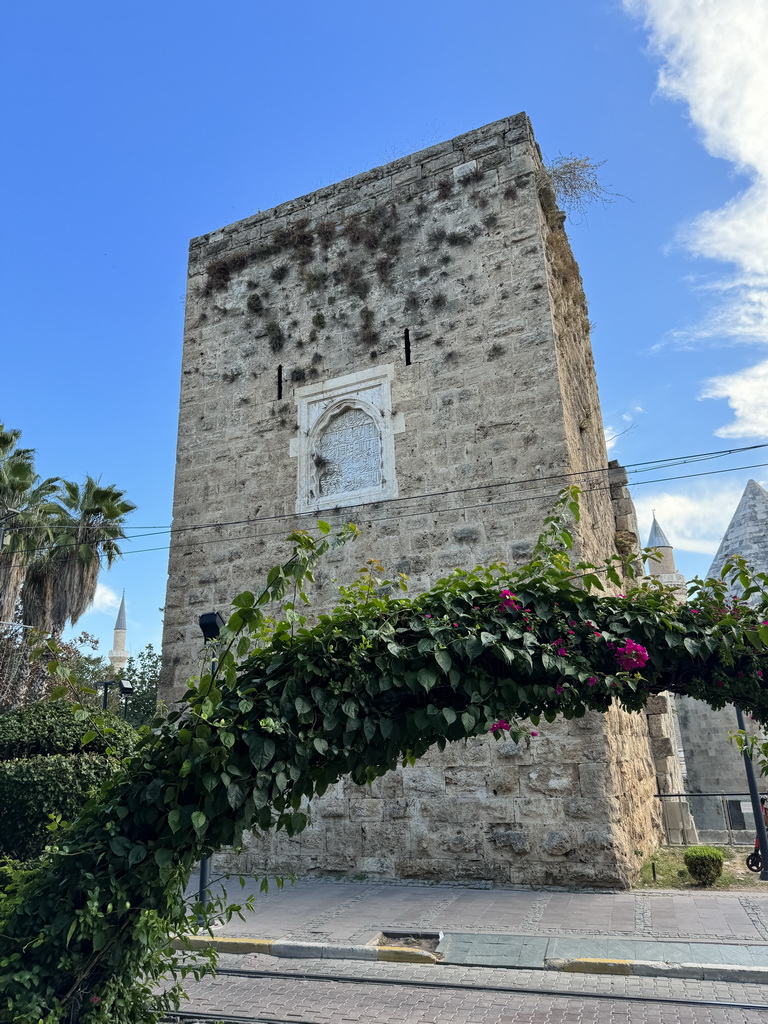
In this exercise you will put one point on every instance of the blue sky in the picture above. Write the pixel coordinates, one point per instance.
(131, 129)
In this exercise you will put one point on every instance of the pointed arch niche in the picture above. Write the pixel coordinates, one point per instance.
(345, 447)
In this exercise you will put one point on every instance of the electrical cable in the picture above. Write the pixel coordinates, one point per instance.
(658, 464)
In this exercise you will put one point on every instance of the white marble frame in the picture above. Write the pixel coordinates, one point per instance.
(367, 390)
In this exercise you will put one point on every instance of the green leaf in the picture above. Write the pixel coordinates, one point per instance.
(692, 646)
(320, 745)
(449, 715)
(244, 600)
(323, 527)
(427, 677)
(274, 574)
(88, 737)
(349, 707)
(138, 853)
(57, 693)
(302, 705)
(443, 659)
(199, 821)
(369, 729)
(261, 749)
(235, 794)
(174, 820)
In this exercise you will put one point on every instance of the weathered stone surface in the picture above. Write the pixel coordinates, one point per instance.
(382, 340)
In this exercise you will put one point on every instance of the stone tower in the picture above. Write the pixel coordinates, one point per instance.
(409, 350)
(714, 765)
(118, 656)
(662, 711)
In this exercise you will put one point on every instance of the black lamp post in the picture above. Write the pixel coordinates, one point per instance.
(754, 796)
(210, 625)
(126, 689)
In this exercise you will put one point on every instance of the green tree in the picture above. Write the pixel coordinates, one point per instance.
(55, 547)
(85, 523)
(143, 673)
(21, 489)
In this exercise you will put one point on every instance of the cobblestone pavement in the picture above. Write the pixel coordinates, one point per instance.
(461, 995)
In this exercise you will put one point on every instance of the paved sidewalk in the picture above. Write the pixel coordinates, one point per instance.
(510, 928)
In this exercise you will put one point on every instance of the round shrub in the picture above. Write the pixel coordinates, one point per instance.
(51, 727)
(45, 769)
(704, 863)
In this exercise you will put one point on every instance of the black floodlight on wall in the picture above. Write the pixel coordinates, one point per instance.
(126, 688)
(211, 624)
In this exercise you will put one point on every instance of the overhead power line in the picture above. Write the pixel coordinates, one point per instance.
(631, 469)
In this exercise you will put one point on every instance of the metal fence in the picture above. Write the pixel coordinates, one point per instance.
(721, 819)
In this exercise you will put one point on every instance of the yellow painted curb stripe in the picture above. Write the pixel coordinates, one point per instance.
(405, 955)
(597, 965)
(225, 944)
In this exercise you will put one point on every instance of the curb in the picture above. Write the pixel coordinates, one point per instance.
(307, 950)
(660, 969)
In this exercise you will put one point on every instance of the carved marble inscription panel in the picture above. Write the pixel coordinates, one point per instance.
(348, 454)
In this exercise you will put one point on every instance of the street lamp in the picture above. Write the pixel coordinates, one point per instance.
(126, 689)
(211, 624)
(754, 796)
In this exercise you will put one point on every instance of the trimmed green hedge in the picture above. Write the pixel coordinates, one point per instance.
(31, 788)
(45, 769)
(704, 863)
(50, 727)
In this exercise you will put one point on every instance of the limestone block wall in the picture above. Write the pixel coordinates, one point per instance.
(407, 350)
(573, 808)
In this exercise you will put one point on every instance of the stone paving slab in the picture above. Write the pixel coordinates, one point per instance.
(352, 912)
(501, 950)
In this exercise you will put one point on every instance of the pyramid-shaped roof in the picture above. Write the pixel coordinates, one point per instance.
(657, 537)
(120, 624)
(747, 533)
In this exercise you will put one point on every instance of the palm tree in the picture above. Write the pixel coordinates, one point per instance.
(20, 489)
(84, 524)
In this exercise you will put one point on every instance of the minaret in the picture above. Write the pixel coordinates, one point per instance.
(118, 656)
(664, 569)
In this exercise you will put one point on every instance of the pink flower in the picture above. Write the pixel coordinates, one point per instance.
(558, 689)
(455, 624)
(694, 611)
(631, 655)
(95, 999)
(592, 681)
(427, 616)
(760, 673)
(562, 652)
(500, 725)
(534, 733)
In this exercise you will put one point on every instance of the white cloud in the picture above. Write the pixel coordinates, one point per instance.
(611, 437)
(695, 521)
(715, 55)
(747, 395)
(105, 600)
